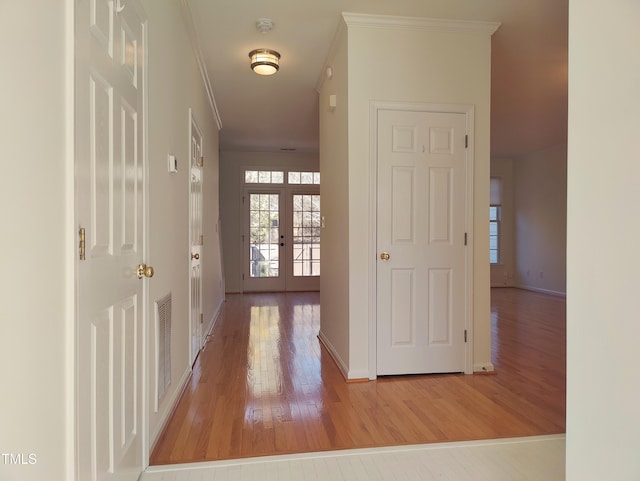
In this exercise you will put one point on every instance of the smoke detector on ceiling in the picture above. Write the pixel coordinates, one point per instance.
(264, 25)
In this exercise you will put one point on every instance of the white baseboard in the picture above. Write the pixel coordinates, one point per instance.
(483, 367)
(171, 405)
(542, 291)
(212, 323)
(359, 375)
(334, 354)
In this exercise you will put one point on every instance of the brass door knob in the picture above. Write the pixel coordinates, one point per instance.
(144, 271)
(385, 256)
(195, 256)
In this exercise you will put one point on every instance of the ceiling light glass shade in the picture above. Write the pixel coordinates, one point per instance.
(264, 61)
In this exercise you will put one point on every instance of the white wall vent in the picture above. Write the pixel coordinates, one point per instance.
(163, 347)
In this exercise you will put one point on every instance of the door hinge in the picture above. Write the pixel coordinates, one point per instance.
(201, 240)
(465, 238)
(82, 244)
(201, 162)
(243, 277)
(465, 335)
(242, 237)
(201, 318)
(466, 141)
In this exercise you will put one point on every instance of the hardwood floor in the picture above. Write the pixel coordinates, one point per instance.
(264, 386)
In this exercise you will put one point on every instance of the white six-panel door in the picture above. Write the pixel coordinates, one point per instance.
(195, 237)
(110, 167)
(421, 265)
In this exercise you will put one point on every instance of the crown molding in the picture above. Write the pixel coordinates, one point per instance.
(419, 23)
(195, 44)
(350, 19)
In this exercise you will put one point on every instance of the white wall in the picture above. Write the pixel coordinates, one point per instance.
(334, 172)
(452, 68)
(603, 385)
(175, 86)
(232, 167)
(502, 274)
(36, 239)
(540, 196)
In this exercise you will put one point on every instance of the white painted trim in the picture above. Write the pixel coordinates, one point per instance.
(212, 323)
(469, 111)
(353, 452)
(146, 312)
(374, 107)
(195, 44)
(469, 291)
(173, 402)
(419, 23)
(541, 290)
(398, 22)
(342, 366)
(483, 367)
(360, 374)
(223, 282)
(70, 274)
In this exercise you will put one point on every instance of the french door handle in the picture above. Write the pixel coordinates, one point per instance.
(195, 256)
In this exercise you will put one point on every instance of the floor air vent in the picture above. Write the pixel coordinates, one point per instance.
(163, 346)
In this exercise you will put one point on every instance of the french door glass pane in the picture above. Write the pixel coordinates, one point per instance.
(306, 235)
(494, 233)
(264, 235)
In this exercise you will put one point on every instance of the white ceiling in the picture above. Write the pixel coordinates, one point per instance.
(529, 66)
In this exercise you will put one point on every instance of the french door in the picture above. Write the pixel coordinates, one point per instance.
(281, 239)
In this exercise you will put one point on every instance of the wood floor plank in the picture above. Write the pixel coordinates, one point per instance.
(265, 386)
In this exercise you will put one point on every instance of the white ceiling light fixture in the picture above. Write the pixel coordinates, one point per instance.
(264, 61)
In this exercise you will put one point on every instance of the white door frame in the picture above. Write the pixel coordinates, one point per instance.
(374, 107)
